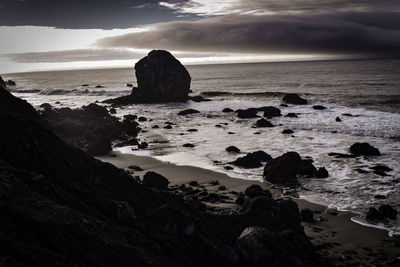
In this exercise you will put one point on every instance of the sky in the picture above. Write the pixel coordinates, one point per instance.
(57, 34)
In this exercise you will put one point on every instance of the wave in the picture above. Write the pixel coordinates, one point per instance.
(84, 92)
(222, 93)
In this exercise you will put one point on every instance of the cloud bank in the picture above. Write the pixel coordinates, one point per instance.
(363, 33)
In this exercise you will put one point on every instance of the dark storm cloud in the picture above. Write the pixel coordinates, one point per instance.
(348, 33)
(85, 14)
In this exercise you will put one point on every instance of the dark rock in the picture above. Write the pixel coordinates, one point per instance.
(283, 169)
(10, 83)
(222, 188)
(129, 85)
(96, 109)
(263, 123)
(155, 126)
(240, 200)
(347, 115)
(341, 155)
(142, 119)
(85, 85)
(2, 82)
(168, 127)
(381, 167)
(294, 99)
(99, 86)
(364, 149)
(291, 115)
(287, 131)
(388, 211)
(322, 173)
(319, 107)
(374, 215)
(227, 110)
(125, 212)
(232, 149)
(252, 160)
(143, 145)
(156, 180)
(307, 216)
(99, 147)
(283, 105)
(188, 145)
(199, 98)
(270, 111)
(247, 113)
(187, 112)
(193, 183)
(45, 105)
(113, 111)
(307, 168)
(215, 182)
(255, 190)
(135, 168)
(338, 119)
(228, 168)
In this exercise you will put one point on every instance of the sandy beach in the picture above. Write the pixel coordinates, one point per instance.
(333, 233)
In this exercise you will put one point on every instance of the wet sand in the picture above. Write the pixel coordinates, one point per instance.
(333, 234)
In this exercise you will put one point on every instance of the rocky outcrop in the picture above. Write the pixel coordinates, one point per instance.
(283, 169)
(161, 78)
(294, 99)
(364, 149)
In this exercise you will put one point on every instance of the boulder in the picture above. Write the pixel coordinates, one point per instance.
(232, 149)
(270, 111)
(287, 131)
(262, 123)
(156, 180)
(283, 169)
(322, 173)
(247, 113)
(227, 110)
(294, 99)
(162, 78)
(252, 160)
(187, 112)
(255, 190)
(307, 168)
(364, 149)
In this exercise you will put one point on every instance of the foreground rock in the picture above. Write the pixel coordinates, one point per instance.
(294, 99)
(364, 149)
(2, 82)
(91, 127)
(161, 78)
(156, 180)
(61, 207)
(283, 169)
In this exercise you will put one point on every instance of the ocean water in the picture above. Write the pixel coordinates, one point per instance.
(367, 89)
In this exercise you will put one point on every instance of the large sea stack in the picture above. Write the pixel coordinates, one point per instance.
(161, 78)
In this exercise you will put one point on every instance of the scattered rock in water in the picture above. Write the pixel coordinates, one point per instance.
(227, 110)
(347, 115)
(252, 160)
(319, 107)
(85, 85)
(247, 113)
(168, 127)
(155, 126)
(199, 98)
(135, 168)
(291, 115)
(129, 85)
(381, 168)
(142, 119)
(255, 190)
(270, 111)
(341, 155)
(262, 123)
(228, 168)
(11, 83)
(307, 168)
(99, 86)
(287, 131)
(364, 149)
(322, 173)
(187, 112)
(307, 216)
(113, 111)
(283, 105)
(156, 180)
(192, 130)
(232, 149)
(143, 145)
(388, 211)
(189, 145)
(294, 99)
(283, 169)
(338, 119)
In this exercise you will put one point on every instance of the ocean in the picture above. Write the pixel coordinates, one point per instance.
(369, 90)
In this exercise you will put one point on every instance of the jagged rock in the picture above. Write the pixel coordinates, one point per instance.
(283, 169)
(270, 111)
(255, 190)
(232, 149)
(187, 112)
(261, 123)
(156, 180)
(247, 113)
(294, 99)
(252, 160)
(364, 149)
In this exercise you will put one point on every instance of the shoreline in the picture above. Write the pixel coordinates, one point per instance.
(334, 233)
